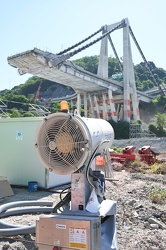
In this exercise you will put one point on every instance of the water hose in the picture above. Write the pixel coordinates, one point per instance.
(10, 229)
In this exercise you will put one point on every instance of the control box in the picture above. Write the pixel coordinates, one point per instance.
(66, 232)
(80, 191)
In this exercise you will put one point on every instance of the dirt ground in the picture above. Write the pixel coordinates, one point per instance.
(141, 224)
(140, 220)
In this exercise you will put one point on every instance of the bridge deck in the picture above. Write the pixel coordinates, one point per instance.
(36, 62)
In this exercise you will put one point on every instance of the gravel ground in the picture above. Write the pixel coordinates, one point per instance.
(159, 143)
(141, 224)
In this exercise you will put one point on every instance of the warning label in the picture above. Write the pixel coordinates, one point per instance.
(77, 237)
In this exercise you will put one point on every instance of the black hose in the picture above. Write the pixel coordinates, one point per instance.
(11, 230)
(17, 231)
(12, 212)
(22, 211)
(23, 204)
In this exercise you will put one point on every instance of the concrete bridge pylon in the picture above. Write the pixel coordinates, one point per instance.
(130, 99)
(103, 104)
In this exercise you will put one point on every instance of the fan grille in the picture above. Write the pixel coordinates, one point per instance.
(62, 143)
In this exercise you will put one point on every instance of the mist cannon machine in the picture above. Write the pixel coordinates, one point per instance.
(68, 144)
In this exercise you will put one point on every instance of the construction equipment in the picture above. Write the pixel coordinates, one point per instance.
(83, 219)
(127, 154)
(148, 154)
(38, 91)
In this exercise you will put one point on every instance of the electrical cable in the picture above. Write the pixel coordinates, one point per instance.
(63, 191)
(91, 159)
(63, 202)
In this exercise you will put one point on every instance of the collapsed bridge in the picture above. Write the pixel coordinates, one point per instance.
(101, 96)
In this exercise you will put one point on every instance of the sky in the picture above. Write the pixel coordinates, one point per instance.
(54, 25)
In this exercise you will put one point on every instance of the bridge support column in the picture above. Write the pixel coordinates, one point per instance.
(71, 104)
(97, 105)
(79, 103)
(85, 105)
(126, 73)
(134, 98)
(130, 96)
(119, 111)
(108, 104)
(92, 113)
(112, 106)
(105, 108)
(103, 58)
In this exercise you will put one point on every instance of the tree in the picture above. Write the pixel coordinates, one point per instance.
(161, 121)
(160, 100)
(89, 63)
(148, 84)
(28, 114)
(55, 107)
(15, 113)
(113, 66)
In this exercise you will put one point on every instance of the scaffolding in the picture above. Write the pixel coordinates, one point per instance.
(3, 107)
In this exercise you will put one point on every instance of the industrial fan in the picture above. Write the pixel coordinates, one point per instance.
(67, 144)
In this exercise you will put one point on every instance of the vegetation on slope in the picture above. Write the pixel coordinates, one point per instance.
(144, 80)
